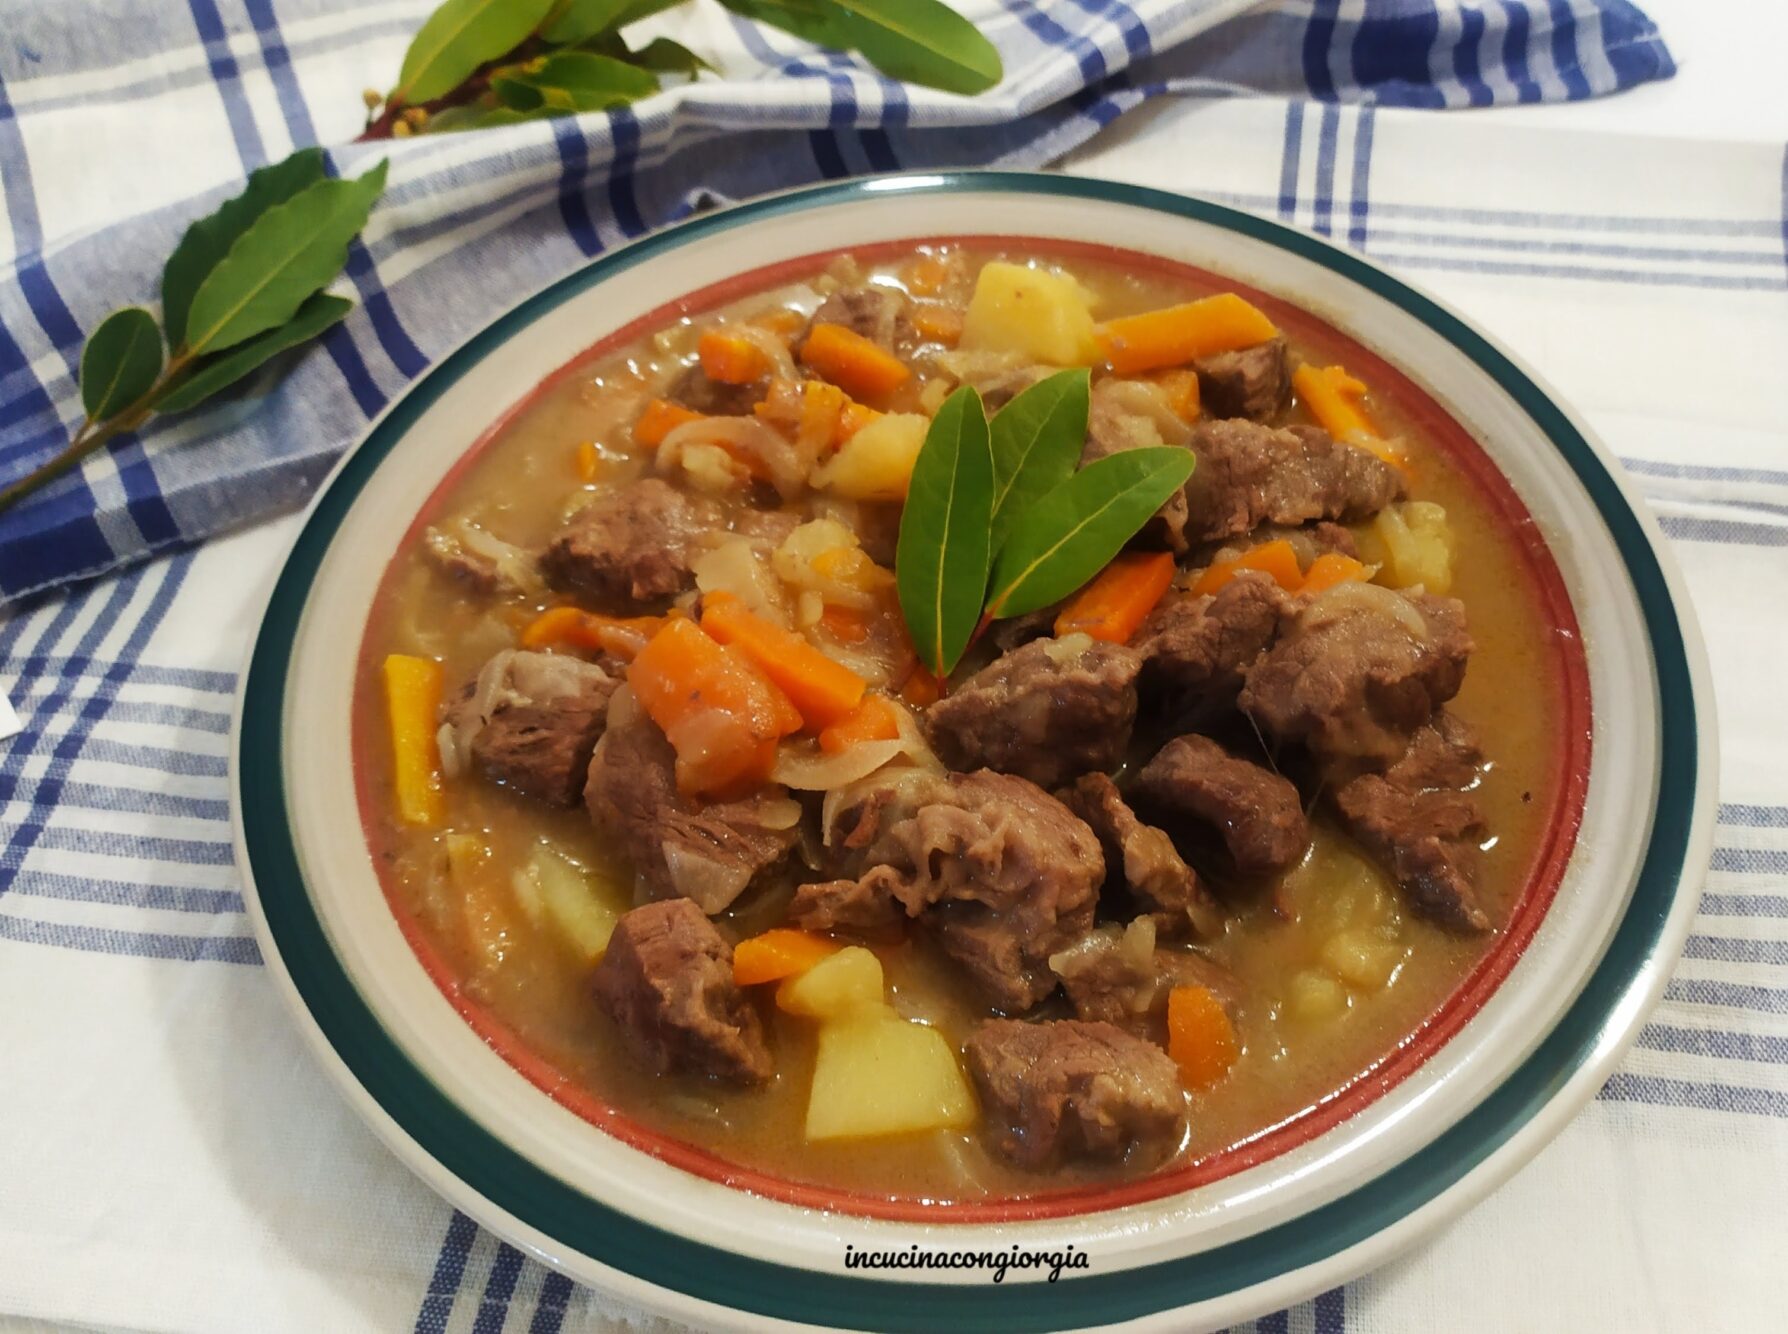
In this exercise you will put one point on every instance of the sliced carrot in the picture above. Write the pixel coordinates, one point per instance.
(845, 624)
(1338, 401)
(940, 324)
(1329, 569)
(1177, 334)
(872, 720)
(587, 459)
(413, 706)
(926, 275)
(623, 636)
(779, 952)
(721, 714)
(853, 363)
(921, 688)
(730, 359)
(1200, 1036)
(1278, 558)
(822, 412)
(1181, 388)
(660, 418)
(823, 690)
(1120, 598)
(782, 321)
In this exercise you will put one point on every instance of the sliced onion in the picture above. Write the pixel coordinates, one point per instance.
(782, 365)
(1139, 398)
(814, 771)
(1373, 598)
(447, 742)
(713, 884)
(747, 440)
(512, 563)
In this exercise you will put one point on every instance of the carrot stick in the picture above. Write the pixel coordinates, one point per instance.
(660, 418)
(1120, 599)
(853, 363)
(621, 635)
(778, 953)
(1337, 400)
(731, 359)
(1329, 569)
(824, 691)
(1200, 1037)
(588, 461)
(1181, 388)
(1277, 558)
(941, 324)
(1178, 334)
(872, 720)
(413, 705)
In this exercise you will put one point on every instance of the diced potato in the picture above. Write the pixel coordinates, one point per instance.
(847, 984)
(880, 1075)
(877, 462)
(823, 555)
(1041, 315)
(570, 899)
(1415, 543)
(1315, 997)
(1363, 959)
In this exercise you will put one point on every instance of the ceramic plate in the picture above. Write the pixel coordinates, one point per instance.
(1525, 1042)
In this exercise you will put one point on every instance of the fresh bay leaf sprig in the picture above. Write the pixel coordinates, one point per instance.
(1000, 520)
(478, 63)
(243, 285)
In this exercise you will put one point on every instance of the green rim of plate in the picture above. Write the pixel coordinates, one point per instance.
(575, 1220)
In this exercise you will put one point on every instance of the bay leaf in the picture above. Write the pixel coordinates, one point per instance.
(818, 21)
(457, 38)
(120, 362)
(287, 253)
(1036, 439)
(574, 81)
(942, 557)
(1074, 531)
(575, 21)
(216, 373)
(209, 239)
(921, 41)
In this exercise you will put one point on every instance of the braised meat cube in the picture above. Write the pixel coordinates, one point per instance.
(696, 390)
(1421, 820)
(865, 907)
(1133, 414)
(1357, 671)
(877, 313)
(1249, 474)
(666, 981)
(1068, 1089)
(530, 722)
(1254, 382)
(1143, 859)
(706, 851)
(1049, 711)
(1197, 647)
(1116, 974)
(629, 547)
(1256, 812)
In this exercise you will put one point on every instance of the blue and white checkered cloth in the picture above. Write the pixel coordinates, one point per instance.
(115, 134)
(170, 1157)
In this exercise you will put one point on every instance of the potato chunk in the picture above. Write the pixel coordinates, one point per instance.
(877, 462)
(877, 1074)
(1040, 315)
(841, 987)
(1413, 545)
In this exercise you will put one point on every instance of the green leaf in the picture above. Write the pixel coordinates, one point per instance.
(1076, 529)
(816, 21)
(290, 251)
(574, 21)
(1037, 439)
(209, 239)
(668, 57)
(940, 563)
(219, 372)
(459, 37)
(120, 362)
(574, 81)
(921, 41)
(473, 116)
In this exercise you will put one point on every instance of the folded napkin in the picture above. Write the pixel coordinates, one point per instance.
(115, 134)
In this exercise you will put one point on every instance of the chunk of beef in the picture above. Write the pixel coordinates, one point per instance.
(1049, 711)
(1422, 821)
(1003, 872)
(1357, 671)
(877, 313)
(1201, 646)
(529, 721)
(1254, 382)
(480, 561)
(1017, 631)
(630, 546)
(1327, 536)
(1249, 474)
(706, 851)
(1133, 414)
(695, 389)
(666, 981)
(1116, 975)
(1258, 814)
(865, 907)
(1144, 859)
(1070, 1089)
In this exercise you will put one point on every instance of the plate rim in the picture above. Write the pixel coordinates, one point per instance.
(1309, 1251)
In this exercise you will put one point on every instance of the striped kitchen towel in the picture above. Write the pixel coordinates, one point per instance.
(116, 133)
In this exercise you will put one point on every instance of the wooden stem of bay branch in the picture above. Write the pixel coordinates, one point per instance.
(91, 438)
